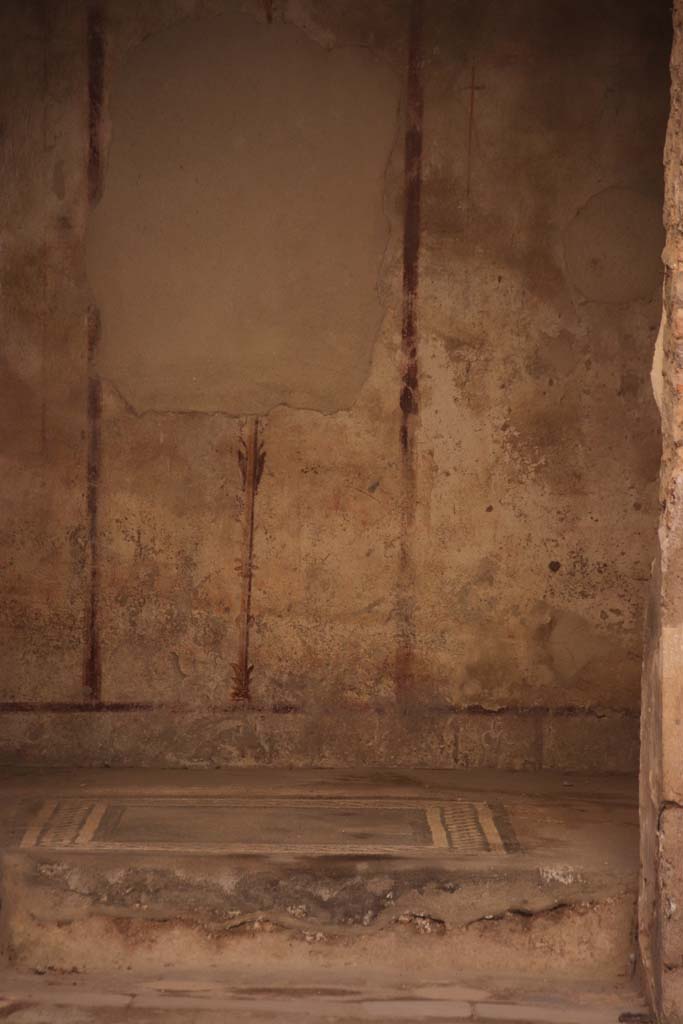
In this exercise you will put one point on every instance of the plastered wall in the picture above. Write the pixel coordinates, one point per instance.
(327, 431)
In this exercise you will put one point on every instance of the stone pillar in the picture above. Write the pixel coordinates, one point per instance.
(661, 776)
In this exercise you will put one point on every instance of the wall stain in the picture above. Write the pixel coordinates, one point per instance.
(251, 457)
(408, 399)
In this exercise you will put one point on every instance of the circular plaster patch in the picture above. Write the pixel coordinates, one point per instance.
(613, 246)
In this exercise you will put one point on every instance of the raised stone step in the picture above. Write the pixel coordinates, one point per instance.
(422, 872)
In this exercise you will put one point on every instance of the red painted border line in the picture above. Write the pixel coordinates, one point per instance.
(405, 602)
(24, 707)
(33, 707)
(96, 58)
(92, 668)
(411, 226)
(569, 711)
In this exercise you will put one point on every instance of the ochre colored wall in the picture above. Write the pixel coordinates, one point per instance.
(350, 456)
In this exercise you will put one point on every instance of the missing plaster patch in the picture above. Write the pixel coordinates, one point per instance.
(236, 250)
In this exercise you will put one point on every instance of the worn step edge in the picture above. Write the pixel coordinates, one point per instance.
(67, 911)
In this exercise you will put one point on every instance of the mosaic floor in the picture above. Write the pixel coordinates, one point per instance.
(294, 824)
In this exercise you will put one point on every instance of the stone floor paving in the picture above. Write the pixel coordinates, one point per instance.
(315, 997)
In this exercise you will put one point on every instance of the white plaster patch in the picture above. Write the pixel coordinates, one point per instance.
(562, 873)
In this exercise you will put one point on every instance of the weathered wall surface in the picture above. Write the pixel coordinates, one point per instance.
(421, 535)
(661, 777)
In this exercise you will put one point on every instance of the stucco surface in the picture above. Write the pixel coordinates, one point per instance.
(508, 544)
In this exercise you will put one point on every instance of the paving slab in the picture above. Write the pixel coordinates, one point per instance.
(311, 995)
